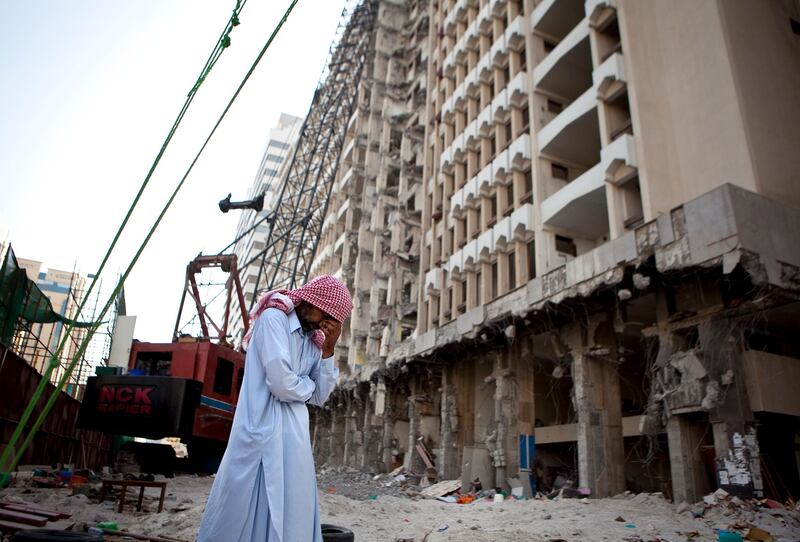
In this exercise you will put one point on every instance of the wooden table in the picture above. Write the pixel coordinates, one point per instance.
(107, 484)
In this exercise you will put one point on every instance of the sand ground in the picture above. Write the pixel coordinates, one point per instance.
(390, 517)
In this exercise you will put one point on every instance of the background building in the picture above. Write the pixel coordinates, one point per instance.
(596, 213)
(36, 342)
(277, 154)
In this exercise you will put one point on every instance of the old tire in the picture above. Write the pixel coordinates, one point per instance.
(53, 535)
(333, 533)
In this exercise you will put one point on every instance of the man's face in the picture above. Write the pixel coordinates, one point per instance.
(310, 316)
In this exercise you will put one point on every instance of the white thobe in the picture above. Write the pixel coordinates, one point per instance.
(266, 487)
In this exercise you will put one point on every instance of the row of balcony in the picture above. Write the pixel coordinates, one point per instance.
(517, 155)
(580, 206)
(512, 36)
(515, 93)
(519, 225)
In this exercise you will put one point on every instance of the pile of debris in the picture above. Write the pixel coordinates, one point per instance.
(358, 485)
(761, 520)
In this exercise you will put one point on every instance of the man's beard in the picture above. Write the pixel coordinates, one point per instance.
(302, 316)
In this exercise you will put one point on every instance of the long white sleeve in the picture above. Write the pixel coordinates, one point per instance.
(273, 348)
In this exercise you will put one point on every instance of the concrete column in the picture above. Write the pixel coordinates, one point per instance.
(472, 300)
(601, 457)
(486, 282)
(500, 459)
(503, 283)
(513, 63)
(521, 256)
(413, 428)
(349, 434)
(732, 418)
(336, 437)
(689, 481)
(366, 430)
(447, 462)
(388, 432)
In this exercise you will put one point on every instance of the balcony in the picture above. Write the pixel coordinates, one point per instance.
(519, 225)
(522, 222)
(599, 11)
(573, 135)
(519, 152)
(618, 160)
(580, 206)
(517, 155)
(517, 89)
(433, 281)
(322, 255)
(554, 19)
(337, 247)
(347, 154)
(340, 212)
(470, 33)
(567, 71)
(609, 78)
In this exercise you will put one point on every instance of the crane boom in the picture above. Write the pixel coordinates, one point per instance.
(295, 222)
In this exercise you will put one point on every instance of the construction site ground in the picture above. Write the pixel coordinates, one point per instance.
(388, 509)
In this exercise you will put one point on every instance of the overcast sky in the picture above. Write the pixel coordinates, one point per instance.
(90, 89)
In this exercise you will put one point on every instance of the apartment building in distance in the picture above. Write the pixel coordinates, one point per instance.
(278, 152)
(585, 240)
(36, 342)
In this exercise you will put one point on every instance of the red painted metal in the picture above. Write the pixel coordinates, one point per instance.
(199, 361)
(228, 264)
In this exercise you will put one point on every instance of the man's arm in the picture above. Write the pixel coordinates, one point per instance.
(324, 374)
(273, 351)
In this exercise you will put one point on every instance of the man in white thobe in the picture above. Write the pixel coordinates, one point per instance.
(266, 486)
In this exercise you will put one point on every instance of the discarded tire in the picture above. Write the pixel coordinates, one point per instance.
(332, 533)
(52, 535)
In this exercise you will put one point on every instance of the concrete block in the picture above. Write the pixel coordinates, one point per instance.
(590, 268)
(572, 272)
(534, 291)
(425, 342)
(625, 248)
(604, 257)
(710, 225)
(646, 237)
(471, 319)
(666, 234)
(766, 227)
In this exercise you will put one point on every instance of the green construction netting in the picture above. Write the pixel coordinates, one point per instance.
(20, 297)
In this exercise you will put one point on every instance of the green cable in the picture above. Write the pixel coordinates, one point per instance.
(54, 358)
(54, 395)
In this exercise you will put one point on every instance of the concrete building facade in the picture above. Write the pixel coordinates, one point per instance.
(573, 224)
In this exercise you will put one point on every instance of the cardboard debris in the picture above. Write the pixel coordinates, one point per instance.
(759, 535)
(441, 489)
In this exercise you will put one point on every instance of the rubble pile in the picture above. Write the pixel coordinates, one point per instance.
(358, 485)
(763, 520)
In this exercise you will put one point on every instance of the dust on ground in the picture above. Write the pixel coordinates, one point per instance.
(386, 509)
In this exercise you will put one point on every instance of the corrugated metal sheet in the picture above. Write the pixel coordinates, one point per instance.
(58, 440)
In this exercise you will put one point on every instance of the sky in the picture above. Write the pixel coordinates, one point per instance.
(88, 92)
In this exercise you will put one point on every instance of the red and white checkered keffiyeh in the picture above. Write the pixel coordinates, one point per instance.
(325, 292)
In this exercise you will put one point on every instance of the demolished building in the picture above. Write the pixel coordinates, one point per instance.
(571, 230)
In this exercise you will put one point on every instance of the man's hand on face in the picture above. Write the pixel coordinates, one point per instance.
(332, 330)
